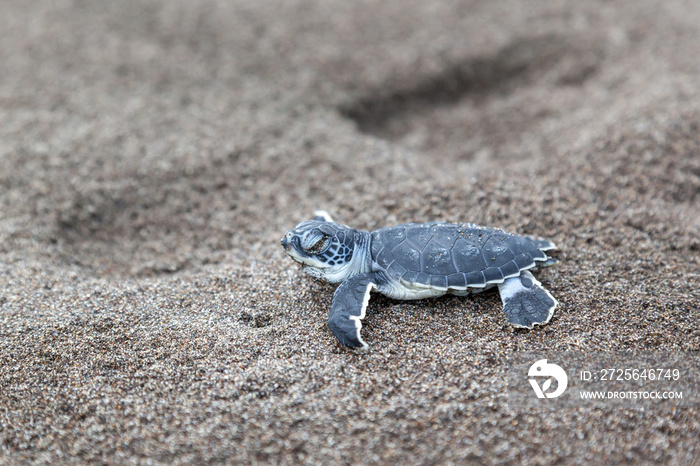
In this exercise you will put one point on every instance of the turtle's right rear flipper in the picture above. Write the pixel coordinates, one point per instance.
(525, 302)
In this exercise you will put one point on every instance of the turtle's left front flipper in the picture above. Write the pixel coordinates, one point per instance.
(525, 302)
(348, 308)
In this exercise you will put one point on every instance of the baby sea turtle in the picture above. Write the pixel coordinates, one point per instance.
(415, 261)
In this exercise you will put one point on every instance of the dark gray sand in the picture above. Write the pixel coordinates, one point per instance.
(152, 153)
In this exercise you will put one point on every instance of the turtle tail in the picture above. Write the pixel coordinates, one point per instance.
(548, 262)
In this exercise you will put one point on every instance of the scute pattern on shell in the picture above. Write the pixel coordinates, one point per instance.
(453, 256)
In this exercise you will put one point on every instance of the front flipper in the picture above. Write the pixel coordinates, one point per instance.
(348, 308)
(322, 216)
(525, 302)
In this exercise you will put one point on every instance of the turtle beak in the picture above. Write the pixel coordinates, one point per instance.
(286, 241)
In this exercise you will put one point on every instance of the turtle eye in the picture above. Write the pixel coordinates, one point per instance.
(315, 242)
(319, 245)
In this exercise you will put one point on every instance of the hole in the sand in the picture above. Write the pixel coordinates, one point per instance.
(486, 99)
(255, 320)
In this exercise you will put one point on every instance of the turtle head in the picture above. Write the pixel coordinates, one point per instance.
(323, 247)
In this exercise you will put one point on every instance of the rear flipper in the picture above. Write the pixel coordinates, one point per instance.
(525, 302)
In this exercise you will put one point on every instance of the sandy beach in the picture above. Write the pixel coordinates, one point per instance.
(153, 153)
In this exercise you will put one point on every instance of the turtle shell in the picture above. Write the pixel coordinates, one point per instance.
(453, 256)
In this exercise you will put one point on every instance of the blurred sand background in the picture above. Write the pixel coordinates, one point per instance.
(152, 154)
